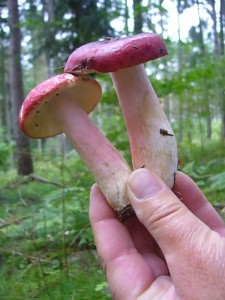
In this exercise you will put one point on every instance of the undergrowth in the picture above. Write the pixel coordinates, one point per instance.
(47, 249)
(206, 166)
(46, 244)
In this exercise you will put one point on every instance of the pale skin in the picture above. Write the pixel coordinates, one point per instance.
(174, 248)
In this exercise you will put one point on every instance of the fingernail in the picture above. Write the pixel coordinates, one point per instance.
(144, 184)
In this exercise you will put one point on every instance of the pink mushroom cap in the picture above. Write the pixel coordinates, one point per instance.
(37, 119)
(112, 54)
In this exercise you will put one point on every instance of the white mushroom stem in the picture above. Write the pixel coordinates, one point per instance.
(109, 168)
(152, 141)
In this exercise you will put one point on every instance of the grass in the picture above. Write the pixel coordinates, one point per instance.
(206, 166)
(46, 244)
(43, 276)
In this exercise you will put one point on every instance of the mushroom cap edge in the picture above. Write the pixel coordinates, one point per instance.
(113, 54)
(35, 117)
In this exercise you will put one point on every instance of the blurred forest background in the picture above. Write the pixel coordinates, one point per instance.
(46, 245)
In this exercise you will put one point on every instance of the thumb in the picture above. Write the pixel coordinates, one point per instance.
(167, 219)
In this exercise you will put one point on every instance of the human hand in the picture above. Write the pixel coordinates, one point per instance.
(174, 248)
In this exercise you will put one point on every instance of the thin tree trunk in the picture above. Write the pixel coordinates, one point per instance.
(200, 127)
(50, 36)
(180, 68)
(161, 22)
(219, 52)
(2, 95)
(24, 160)
(189, 123)
(222, 92)
(138, 21)
(126, 17)
(6, 104)
(222, 24)
(206, 97)
(212, 13)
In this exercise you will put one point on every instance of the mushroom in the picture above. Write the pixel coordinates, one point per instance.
(61, 104)
(152, 141)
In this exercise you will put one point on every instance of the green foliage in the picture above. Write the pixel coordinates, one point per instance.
(207, 170)
(44, 278)
(5, 150)
(46, 240)
(217, 182)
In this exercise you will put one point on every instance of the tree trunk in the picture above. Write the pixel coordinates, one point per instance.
(126, 17)
(206, 97)
(6, 103)
(50, 36)
(180, 70)
(212, 13)
(2, 90)
(221, 37)
(161, 22)
(219, 52)
(138, 21)
(24, 160)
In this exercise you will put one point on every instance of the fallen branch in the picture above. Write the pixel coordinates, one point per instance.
(30, 178)
(3, 223)
(44, 180)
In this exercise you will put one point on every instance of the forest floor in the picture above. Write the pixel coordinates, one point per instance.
(46, 244)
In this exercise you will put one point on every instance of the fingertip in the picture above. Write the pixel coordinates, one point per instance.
(94, 190)
(188, 192)
(99, 207)
(182, 179)
(144, 184)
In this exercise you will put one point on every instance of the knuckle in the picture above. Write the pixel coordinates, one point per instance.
(165, 215)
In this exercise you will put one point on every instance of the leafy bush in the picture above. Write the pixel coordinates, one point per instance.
(210, 177)
(5, 151)
(44, 228)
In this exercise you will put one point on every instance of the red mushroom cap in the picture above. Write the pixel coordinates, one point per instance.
(111, 55)
(37, 119)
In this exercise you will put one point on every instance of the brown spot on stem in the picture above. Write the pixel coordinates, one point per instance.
(165, 132)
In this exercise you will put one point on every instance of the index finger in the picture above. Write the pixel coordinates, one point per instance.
(190, 194)
(123, 264)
